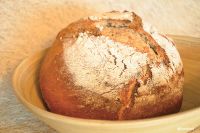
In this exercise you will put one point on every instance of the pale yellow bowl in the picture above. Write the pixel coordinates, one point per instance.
(25, 83)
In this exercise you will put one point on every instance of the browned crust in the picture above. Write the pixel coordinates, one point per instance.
(159, 100)
(63, 97)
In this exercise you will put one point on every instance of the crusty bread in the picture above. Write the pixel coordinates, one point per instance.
(112, 66)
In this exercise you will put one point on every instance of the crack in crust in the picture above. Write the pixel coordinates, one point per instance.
(129, 92)
(125, 67)
(127, 98)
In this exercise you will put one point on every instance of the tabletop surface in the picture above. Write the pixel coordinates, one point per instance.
(27, 26)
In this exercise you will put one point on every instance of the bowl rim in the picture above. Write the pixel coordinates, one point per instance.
(92, 122)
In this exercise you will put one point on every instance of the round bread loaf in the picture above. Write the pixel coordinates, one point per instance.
(112, 66)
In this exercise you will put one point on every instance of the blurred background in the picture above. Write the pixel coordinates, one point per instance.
(27, 26)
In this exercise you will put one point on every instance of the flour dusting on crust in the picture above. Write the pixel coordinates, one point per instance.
(170, 49)
(166, 44)
(100, 64)
(161, 74)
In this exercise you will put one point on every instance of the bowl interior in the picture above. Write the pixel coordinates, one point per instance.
(26, 75)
